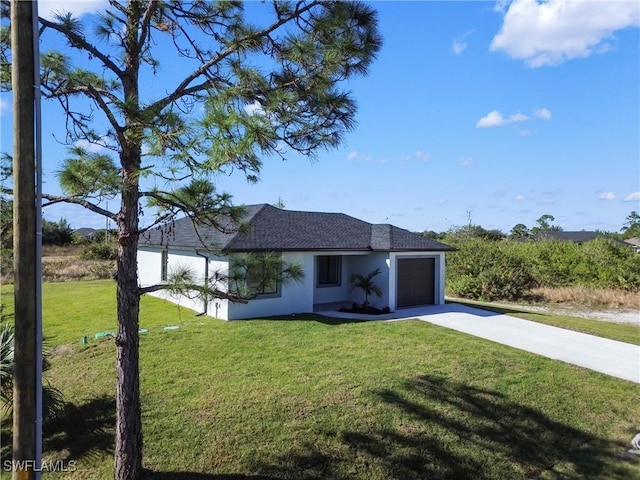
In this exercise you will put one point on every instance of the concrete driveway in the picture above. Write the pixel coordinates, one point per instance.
(618, 359)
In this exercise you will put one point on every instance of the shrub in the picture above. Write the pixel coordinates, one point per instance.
(6, 261)
(99, 251)
(56, 233)
(488, 270)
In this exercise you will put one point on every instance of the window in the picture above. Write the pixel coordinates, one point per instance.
(256, 275)
(263, 279)
(164, 262)
(328, 268)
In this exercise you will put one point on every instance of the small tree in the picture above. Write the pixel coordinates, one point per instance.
(631, 226)
(56, 233)
(520, 230)
(545, 225)
(367, 284)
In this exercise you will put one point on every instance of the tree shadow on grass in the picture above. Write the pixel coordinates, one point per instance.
(83, 430)
(449, 430)
(150, 475)
(312, 317)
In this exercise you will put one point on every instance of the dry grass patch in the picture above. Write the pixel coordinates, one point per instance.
(64, 269)
(589, 297)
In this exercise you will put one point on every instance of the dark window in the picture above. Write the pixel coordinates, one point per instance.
(164, 259)
(263, 279)
(257, 274)
(329, 267)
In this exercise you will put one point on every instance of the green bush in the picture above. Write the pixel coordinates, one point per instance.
(489, 270)
(99, 251)
(6, 261)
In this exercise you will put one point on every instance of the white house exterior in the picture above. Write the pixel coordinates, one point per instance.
(412, 267)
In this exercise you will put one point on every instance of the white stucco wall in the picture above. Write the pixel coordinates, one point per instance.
(294, 298)
(150, 269)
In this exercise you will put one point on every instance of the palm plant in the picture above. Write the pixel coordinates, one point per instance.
(367, 284)
(52, 399)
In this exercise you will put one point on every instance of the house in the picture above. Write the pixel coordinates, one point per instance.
(329, 246)
(634, 243)
(84, 233)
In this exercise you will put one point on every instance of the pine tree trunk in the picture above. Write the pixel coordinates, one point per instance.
(128, 450)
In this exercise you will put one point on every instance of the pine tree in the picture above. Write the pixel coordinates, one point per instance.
(269, 86)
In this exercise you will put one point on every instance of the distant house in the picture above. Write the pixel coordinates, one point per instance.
(578, 237)
(330, 247)
(85, 233)
(634, 242)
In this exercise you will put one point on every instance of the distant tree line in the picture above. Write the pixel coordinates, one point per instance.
(630, 229)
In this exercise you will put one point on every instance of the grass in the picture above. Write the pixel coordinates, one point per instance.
(307, 397)
(629, 333)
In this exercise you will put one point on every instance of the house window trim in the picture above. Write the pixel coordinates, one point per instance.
(338, 283)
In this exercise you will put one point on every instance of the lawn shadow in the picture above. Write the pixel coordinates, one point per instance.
(310, 317)
(83, 430)
(444, 429)
(151, 475)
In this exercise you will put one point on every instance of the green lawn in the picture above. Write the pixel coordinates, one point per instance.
(310, 398)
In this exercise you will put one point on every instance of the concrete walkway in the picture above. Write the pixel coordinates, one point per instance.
(618, 359)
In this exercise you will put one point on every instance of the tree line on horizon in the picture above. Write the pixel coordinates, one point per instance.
(629, 229)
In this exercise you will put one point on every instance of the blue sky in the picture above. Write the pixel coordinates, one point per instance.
(501, 111)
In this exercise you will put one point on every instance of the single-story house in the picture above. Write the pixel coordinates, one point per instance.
(84, 233)
(634, 243)
(329, 246)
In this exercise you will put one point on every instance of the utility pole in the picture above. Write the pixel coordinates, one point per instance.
(24, 241)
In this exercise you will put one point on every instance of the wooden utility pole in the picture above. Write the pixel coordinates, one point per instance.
(24, 240)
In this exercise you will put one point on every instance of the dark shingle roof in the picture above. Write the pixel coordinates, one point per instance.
(274, 229)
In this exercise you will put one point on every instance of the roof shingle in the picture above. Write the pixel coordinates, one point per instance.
(272, 229)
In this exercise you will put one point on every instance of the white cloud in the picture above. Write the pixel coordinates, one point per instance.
(459, 45)
(495, 119)
(254, 108)
(519, 198)
(418, 155)
(466, 161)
(526, 133)
(632, 197)
(607, 196)
(91, 147)
(4, 105)
(356, 156)
(542, 113)
(421, 156)
(555, 31)
(49, 8)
